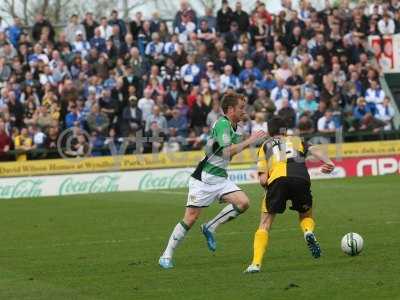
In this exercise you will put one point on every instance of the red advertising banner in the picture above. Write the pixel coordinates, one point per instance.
(386, 50)
(362, 166)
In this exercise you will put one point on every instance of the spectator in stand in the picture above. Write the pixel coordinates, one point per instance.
(98, 121)
(72, 118)
(309, 104)
(5, 142)
(42, 25)
(206, 34)
(210, 18)
(386, 25)
(114, 20)
(73, 27)
(146, 104)
(385, 113)
(250, 72)
(241, 17)
(199, 114)
(23, 144)
(224, 17)
(229, 80)
(308, 60)
(232, 38)
(288, 114)
(326, 123)
(214, 114)
(105, 29)
(15, 31)
(132, 118)
(90, 25)
(280, 91)
(360, 111)
(80, 45)
(177, 125)
(158, 118)
(259, 123)
(186, 10)
(374, 95)
(305, 125)
(185, 28)
(98, 42)
(190, 72)
(154, 49)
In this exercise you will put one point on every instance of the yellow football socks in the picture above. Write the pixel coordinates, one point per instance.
(260, 245)
(307, 224)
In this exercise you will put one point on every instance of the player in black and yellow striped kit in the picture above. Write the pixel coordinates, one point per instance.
(283, 173)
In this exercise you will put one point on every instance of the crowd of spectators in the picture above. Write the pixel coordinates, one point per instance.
(110, 81)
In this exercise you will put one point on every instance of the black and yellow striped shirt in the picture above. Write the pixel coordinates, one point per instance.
(283, 157)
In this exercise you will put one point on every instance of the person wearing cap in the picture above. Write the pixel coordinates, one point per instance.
(80, 45)
(73, 28)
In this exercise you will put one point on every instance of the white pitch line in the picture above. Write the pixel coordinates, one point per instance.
(392, 222)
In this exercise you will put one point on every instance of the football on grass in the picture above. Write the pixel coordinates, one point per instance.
(352, 243)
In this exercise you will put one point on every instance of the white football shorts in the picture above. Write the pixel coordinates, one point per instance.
(202, 194)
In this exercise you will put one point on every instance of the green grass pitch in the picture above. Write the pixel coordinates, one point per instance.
(107, 246)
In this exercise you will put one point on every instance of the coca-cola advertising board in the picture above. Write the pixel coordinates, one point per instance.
(166, 179)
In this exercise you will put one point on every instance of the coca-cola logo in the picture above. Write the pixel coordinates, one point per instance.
(26, 188)
(151, 181)
(100, 184)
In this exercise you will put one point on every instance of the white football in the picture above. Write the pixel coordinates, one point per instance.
(352, 243)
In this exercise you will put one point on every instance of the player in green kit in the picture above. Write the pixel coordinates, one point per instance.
(209, 182)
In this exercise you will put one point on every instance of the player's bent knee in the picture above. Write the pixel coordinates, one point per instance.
(244, 205)
(238, 199)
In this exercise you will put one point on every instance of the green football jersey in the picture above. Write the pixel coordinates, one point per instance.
(214, 166)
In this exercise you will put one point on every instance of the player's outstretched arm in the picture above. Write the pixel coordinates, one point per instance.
(234, 149)
(328, 165)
